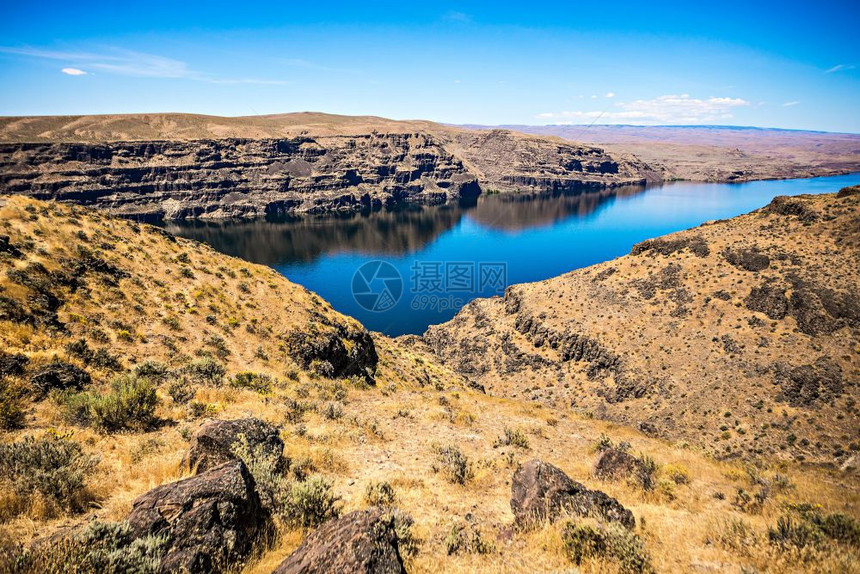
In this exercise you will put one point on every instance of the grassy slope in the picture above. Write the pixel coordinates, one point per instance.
(697, 362)
(386, 433)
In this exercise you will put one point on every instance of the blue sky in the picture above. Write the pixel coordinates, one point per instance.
(789, 65)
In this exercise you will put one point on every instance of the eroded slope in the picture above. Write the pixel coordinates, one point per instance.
(740, 336)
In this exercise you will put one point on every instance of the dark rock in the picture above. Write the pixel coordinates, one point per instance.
(784, 205)
(667, 246)
(615, 464)
(848, 192)
(768, 299)
(326, 351)
(212, 443)
(211, 521)
(12, 364)
(806, 385)
(648, 428)
(364, 541)
(811, 316)
(541, 491)
(59, 375)
(749, 259)
(8, 248)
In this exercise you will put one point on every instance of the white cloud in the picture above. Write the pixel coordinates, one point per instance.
(789, 104)
(131, 63)
(669, 109)
(839, 68)
(73, 72)
(610, 94)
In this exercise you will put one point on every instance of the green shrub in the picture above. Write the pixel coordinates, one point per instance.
(310, 503)
(512, 437)
(379, 494)
(467, 538)
(99, 548)
(12, 405)
(152, 370)
(181, 391)
(206, 372)
(130, 405)
(610, 542)
(453, 464)
(677, 473)
(257, 382)
(53, 468)
(332, 411)
(797, 533)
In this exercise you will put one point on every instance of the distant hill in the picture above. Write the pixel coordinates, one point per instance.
(718, 153)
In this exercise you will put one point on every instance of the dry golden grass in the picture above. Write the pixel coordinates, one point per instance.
(388, 432)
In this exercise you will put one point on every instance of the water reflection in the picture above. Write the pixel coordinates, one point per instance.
(306, 238)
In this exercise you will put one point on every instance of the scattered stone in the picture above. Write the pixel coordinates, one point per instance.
(59, 375)
(805, 385)
(811, 316)
(768, 299)
(211, 521)
(749, 259)
(848, 192)
(12, 364)
(212, 444)
(8, 248)
(541, 491)
(616, 464)
(364, 541)
(784, 205)
(667, 246)
(648, 428)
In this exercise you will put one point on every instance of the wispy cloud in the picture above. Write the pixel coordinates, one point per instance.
(73, 72)
(840, 68)
(124, 62)
(789, 104)
(610, 94)
(681, 109)
(455, 16)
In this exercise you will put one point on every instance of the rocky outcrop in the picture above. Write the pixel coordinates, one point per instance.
(616, 464)
(239, 177)
(213, 442)
(338, 350)
(365, 541)
(210, 521)
(541, 491)
(59, 375)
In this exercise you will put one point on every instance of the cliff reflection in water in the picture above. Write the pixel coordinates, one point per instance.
(303, 239)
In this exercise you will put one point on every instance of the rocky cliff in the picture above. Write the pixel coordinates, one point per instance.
(304, 170)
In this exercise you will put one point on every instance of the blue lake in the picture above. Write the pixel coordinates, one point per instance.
(436, 258)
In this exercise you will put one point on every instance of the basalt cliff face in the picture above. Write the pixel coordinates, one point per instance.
(304, 170)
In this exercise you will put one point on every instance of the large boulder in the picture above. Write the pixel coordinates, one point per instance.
(210, 521)
(212, 444)
(616, 464)
(541, 491)
(364, 541)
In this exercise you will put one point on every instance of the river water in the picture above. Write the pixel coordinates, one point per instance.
(399, 271)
